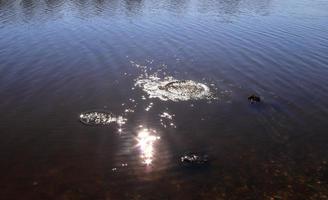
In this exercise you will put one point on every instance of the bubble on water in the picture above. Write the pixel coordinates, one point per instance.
(173, 89)
(101, 118)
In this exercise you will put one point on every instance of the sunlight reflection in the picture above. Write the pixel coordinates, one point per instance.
(146, 139)
(167, 120)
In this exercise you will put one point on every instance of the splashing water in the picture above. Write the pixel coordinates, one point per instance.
(101, 118)
(173, 89)
(167, 115)
(167, 120)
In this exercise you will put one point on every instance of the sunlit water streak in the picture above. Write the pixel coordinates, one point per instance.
(146, 140)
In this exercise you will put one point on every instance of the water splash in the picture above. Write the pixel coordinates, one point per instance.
(150, 105)
(173, 89)
(101, 118)
(167, 120)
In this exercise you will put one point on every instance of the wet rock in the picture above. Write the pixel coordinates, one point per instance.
(254, 99)
(194, 159)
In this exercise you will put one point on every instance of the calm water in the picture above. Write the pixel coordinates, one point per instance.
(60, 58)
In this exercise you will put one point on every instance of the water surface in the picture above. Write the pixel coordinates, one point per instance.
(61, 58)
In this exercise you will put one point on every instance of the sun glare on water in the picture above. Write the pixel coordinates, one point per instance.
(146, 139)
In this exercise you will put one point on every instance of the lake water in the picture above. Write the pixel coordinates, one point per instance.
(60, 58)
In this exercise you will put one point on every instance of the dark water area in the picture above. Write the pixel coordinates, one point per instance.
(61, 58)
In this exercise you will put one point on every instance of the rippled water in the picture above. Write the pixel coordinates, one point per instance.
(61, 58)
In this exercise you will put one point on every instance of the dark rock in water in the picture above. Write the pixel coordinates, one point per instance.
(194, 159)
(253, 98)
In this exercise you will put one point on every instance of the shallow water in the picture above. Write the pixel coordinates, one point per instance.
(61, 58)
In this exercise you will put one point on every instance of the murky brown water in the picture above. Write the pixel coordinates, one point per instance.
(171, 77)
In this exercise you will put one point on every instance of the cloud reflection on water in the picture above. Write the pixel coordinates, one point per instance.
(32, 10)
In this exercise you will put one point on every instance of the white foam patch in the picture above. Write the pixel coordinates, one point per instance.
(173, 89)
(101, 118)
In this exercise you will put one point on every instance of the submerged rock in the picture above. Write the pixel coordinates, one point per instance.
(194, 159)
(100, 118)
(254, 99)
